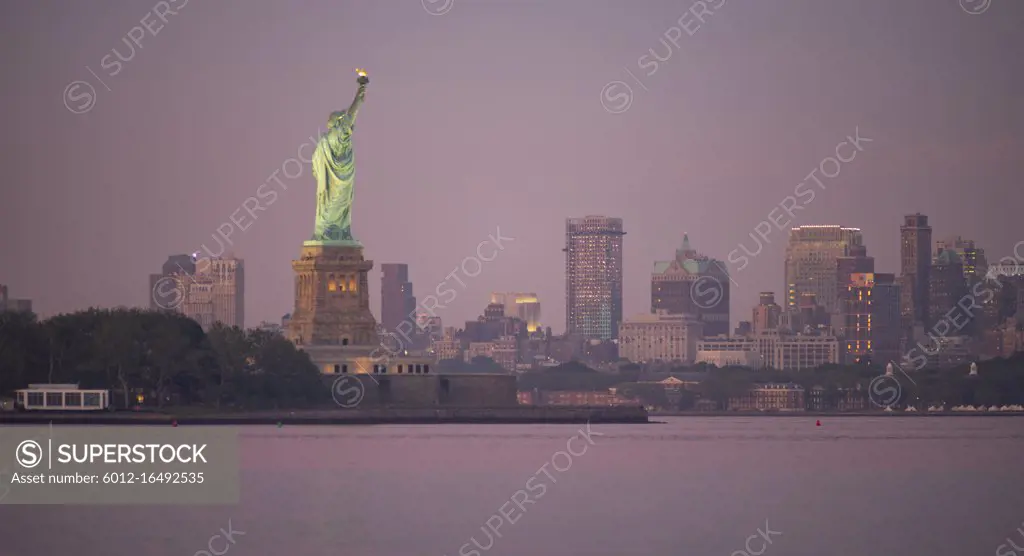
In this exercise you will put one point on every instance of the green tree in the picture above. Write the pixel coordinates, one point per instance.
(20, 339)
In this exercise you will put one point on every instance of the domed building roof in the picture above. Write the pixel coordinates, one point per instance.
(948, 256)
(689, 261)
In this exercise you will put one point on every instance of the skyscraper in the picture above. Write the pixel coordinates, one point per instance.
(693, 284)
(886, 328)
(593, 276)
(766, 314)
(176, 266)
(212, 291)
(915, 268)
(812, 263)
(397, 303)
(870, 319)
(523, 306)
(947, 285)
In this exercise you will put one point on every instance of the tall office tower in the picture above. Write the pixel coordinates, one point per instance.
(593, 276)
(973, 257)
(856, 319)
(229, 291)
(523, 306)
(211, 291)
(870, 319)
(693, 284)
(812, 263)
(167, 297)
(886, 329)
(397, 303)
(766, 314)
(947, 285)
(915, 267)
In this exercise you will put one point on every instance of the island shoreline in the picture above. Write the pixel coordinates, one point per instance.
(382, 416)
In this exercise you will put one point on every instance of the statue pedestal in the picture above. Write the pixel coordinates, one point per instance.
(332, 298)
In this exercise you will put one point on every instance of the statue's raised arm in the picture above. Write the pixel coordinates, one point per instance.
(363, 81)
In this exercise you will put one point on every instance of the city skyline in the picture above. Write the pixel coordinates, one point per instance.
(856, 260)
(571, 251)
(715, 173)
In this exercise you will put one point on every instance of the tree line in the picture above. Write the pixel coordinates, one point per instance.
(170, 360)
(164, 356)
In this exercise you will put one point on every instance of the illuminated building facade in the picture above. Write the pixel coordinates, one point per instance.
(812, 263)
(523, 306)
(593, 276)
(870, 318)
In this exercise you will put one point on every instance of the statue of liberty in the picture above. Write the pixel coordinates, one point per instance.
(334, 169)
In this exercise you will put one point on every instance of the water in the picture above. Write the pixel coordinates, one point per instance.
(690, 487)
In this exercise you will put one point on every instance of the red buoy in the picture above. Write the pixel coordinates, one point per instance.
(818, 424)
(175, 423)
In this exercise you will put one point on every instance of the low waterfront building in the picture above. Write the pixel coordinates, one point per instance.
(770, 397)
(579, 398)
(841, 399)
(421, 390)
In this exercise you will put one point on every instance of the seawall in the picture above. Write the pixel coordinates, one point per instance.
(371, 416)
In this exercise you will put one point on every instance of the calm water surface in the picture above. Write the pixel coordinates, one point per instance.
(691, 486)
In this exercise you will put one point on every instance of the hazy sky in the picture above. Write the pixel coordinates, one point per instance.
(490, 116)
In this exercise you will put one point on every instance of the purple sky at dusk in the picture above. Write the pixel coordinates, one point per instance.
(490, 116)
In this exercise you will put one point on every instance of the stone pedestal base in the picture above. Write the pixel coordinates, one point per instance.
(332, 298)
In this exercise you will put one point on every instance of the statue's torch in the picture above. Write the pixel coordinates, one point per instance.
(362, 79)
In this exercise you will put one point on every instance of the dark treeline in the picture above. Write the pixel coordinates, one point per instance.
(164, 356)
(168, 359)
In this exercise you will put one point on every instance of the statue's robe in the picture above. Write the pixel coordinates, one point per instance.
(334, 169)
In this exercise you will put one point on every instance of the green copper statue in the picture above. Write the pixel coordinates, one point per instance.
(334, 169)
